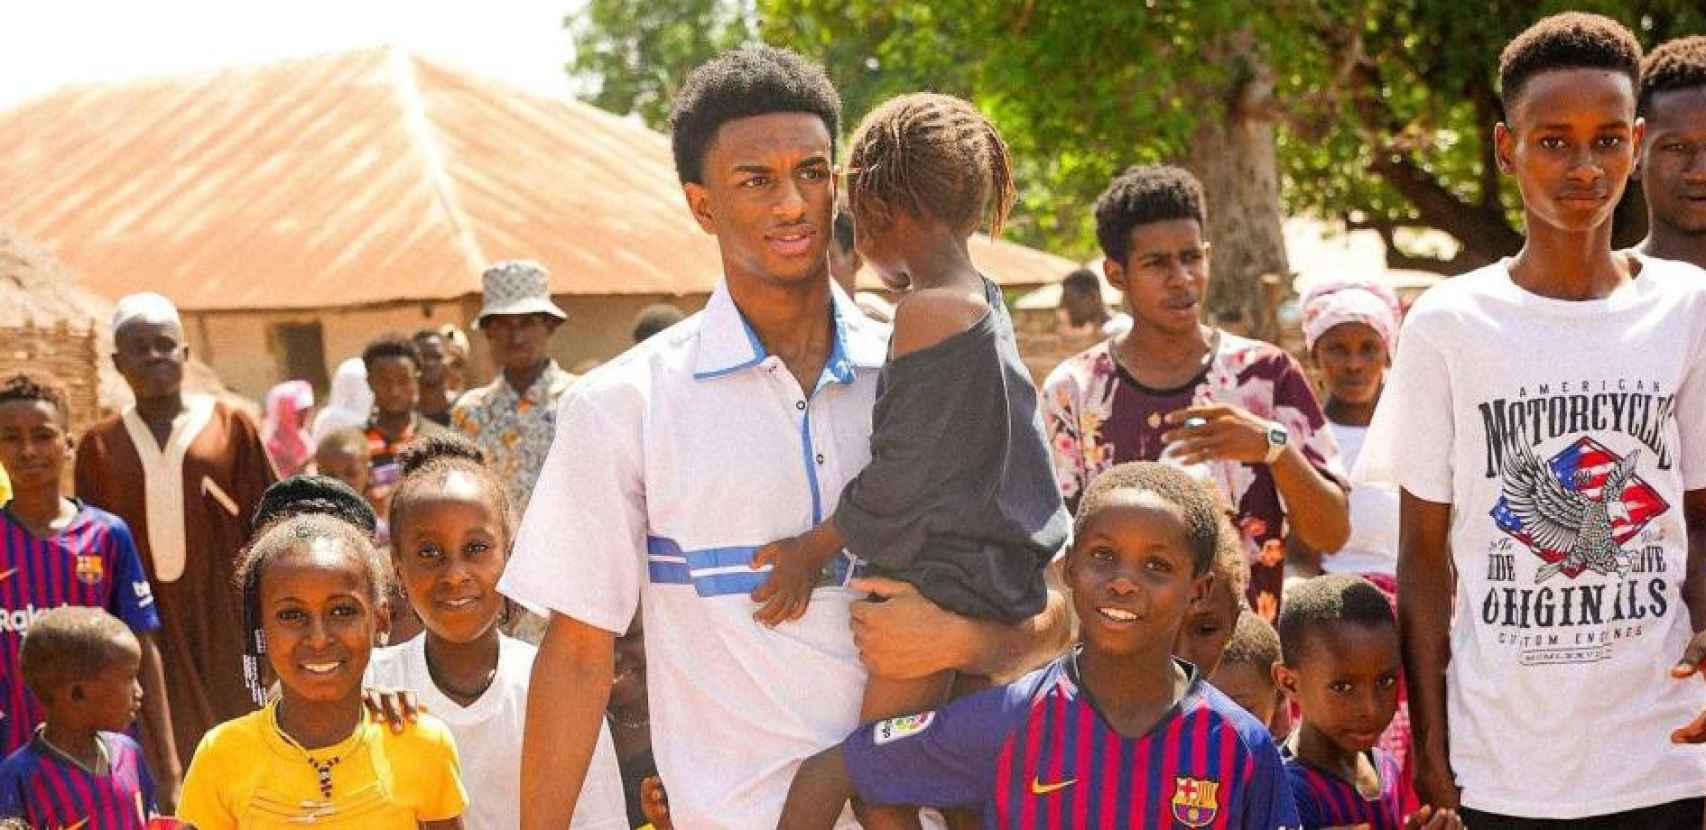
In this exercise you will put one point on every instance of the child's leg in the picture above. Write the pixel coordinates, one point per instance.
(892, 698)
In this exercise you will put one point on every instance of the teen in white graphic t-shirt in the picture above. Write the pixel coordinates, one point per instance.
(1543, 418)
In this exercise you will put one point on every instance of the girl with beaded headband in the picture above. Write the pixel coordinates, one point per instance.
(958, 502)
(312, 585)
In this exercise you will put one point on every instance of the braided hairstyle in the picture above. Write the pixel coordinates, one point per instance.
(429, 460)
(316, 494)
(277, 538)
(930, 156)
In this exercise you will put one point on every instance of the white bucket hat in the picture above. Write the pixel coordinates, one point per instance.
(517, 286)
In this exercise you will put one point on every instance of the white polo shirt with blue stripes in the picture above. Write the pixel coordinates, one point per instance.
(671, 466)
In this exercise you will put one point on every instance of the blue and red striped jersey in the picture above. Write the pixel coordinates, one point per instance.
(93, 561)
(1037, 754)
(48, 790)
(1326, 800)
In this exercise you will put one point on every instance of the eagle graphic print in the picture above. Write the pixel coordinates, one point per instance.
(1578, 509)
(1579, 564)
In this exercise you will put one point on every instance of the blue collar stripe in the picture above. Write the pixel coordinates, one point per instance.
(838, 369)
(811, 467)
(752, 341)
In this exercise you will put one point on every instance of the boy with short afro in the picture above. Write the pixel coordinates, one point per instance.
(56, 551)
(1239, 409)
(79, 769)
(1339, 643)
(1116, 733)
(1541, 421)
(1672, 100)
(393, 373)
(1246, 675)
(1208, 626)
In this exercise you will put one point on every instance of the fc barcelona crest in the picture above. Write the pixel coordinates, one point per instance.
(1194, 801)
(90, 571)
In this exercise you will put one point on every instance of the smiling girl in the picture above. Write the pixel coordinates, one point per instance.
(450, 526)
(311, 589)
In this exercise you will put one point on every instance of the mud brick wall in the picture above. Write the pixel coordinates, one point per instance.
(68, 352)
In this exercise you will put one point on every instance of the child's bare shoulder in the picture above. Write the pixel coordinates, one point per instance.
(928, 316)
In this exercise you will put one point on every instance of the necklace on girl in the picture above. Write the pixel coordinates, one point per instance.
(474, 693)
(322, 768)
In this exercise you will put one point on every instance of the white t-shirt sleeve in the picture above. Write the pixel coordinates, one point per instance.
(1410, 440)
(581, 547)
(1691, 416)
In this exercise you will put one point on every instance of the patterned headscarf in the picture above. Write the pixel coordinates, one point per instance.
(288, 442)
(1330, 303)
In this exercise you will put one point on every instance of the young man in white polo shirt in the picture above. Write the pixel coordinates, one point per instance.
(675, 462)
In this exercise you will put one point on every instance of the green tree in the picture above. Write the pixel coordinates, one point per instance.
(634, 54)
(1377, 112)
(1393, 109)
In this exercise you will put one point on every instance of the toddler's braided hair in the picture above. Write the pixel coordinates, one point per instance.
(934, 157)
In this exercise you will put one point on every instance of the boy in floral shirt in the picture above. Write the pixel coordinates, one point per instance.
(1236, 412)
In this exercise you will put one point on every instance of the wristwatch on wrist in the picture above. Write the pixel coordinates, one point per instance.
(1277, 439)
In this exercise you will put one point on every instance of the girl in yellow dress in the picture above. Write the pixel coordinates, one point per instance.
(311, 590)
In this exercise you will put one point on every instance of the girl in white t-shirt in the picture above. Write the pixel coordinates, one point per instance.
(1350, 328)
(450, 534)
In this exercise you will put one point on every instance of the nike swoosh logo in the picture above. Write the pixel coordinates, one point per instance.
(77, 825)
(1039, 788)
(7, 574)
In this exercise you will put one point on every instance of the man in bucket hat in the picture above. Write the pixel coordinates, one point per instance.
(513, 418)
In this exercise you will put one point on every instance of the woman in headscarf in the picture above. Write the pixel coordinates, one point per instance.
(351, 403)
(1350, 328)
(284, 428)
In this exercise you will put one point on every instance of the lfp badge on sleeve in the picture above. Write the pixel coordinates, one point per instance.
(1194, 803)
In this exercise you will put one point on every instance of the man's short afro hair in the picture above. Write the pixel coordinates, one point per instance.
(753, 80)
(1572, 40)
(1674, 64)
(1335, 599)
(1204, 520)
(390, 344)
(1141, 196)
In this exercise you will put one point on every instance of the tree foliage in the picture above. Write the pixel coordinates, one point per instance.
(635, 54)
(1385, 107)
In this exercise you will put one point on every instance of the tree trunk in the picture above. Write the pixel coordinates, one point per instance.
(1232, 152)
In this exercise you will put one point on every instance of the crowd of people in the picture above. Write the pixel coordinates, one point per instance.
(810, 559)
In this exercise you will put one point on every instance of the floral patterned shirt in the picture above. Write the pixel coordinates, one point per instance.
(1098, 415)
(514, 430)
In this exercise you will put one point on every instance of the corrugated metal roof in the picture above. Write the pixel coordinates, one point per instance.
(352, 179)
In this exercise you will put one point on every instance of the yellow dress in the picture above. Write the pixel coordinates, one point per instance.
(246, 774)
